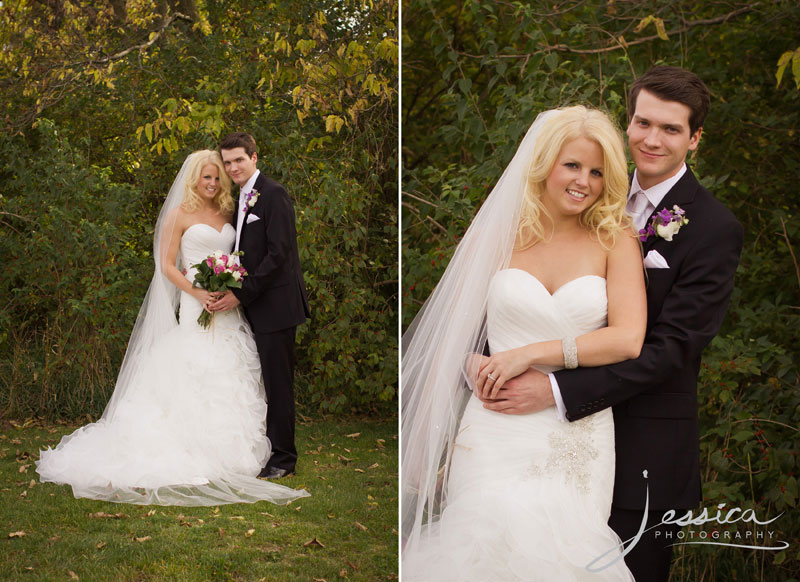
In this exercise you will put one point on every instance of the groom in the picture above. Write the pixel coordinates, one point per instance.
(273, 292)
(689, 284)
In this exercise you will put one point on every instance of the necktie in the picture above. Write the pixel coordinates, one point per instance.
(639, 208)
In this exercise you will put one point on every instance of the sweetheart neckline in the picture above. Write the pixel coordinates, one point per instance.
(209, 226)
(532, 276)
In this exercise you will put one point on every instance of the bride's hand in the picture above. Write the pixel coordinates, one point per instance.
(500, 368)
(203, 296)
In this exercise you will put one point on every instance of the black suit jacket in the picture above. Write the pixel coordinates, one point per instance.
(654, 396)
(273, 292)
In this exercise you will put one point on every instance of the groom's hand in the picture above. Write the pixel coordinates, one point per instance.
(529, 392)
(225, 302)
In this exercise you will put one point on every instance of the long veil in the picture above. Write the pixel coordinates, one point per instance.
(147, 370)
(157, 314)
(451, 325)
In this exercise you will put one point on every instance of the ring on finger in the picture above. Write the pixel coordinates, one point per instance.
(492, 378)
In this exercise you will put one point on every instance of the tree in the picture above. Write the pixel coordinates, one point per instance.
(111, 97)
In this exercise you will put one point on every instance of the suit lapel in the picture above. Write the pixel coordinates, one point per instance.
(257, 187)
(682, 194)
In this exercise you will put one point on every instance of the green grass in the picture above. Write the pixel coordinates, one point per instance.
(348, 465)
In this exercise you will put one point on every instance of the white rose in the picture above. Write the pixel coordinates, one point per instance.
(218, 254)
(219, 262)
(236, 275)
(669, 230)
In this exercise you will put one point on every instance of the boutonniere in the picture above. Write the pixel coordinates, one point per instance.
(665, 224)
(250, 199)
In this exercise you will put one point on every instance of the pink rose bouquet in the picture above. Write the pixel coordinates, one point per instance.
(218, 272)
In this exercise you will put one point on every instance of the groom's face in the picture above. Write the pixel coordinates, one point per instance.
(659, 138)
(238, 165)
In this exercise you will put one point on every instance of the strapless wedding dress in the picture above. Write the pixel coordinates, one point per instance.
(191, 429)
(528, 496)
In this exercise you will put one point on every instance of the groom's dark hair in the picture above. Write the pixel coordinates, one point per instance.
(674, 84)
(239, 140)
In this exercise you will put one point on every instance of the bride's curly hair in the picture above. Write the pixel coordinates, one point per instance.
(606, 218)
(191, 199)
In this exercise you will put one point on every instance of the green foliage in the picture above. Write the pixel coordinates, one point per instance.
(120, 126)
(475, 74)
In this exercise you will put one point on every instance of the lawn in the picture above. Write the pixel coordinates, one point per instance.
(346, 530)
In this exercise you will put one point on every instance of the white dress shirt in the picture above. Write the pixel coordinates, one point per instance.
(243, 192)
(655, 194)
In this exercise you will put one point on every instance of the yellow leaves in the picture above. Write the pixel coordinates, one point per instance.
(783, 62)
(249, 533)
(17, 534)
(100, 545)
(360, 526)
(305, 46)
(387, 49)
(72, 575)
(333, 123)
(142, 539)
(659, 24)
(353, 435)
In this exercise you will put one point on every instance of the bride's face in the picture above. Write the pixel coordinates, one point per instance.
(576, 180)
(208, 184)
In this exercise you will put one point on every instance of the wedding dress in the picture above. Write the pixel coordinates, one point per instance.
(191, 429)
(528, 496)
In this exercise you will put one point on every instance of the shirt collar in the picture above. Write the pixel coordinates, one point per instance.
(250, 183)
(655, 194)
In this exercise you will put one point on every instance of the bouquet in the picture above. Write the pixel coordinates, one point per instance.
(217, 272)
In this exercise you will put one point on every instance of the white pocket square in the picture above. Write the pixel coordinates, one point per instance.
(654, 260)
(252, 218)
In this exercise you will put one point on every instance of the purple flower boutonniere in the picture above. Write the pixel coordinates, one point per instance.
(250, 199)
(665, 224)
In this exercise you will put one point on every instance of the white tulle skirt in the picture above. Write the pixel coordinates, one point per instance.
(528, 499)
(190, 431)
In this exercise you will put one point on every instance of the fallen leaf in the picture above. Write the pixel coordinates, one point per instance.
(352, 565)
(314, 542)
(73, 575)
(249, 533)
(267, 514)
(343, 573)
(331, 515)
(344, 459)
(17, 534)
(24, 493)
(144, 539)
(23, 468)
(104, 515)
(221, 532)
(32, 483)
(236, 517)
(373, 466)
(359, 470)
(150, 513)
(29, 568)
(360, 526)
(15, 441)
(298, 508)
(100, 545)
(320, 580)
(353, 435)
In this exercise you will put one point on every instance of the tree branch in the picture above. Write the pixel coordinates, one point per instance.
(155, 35)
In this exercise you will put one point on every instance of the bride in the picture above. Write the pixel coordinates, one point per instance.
(185, 425)
(549, 274)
